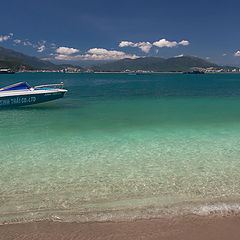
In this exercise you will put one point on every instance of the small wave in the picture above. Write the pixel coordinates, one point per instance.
(118, 214)
(220, 209)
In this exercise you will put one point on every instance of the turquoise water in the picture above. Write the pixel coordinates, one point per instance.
(122, 147)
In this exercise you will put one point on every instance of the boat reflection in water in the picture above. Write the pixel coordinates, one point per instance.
(22, 94)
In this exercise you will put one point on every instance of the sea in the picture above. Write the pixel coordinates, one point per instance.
(122, 147)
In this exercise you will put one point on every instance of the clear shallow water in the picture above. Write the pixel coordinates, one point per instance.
(122, 147)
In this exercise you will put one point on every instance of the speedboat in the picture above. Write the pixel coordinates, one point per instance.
(6, 71)
(22, 94)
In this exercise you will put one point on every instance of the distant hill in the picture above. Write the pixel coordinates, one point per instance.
(14, 60)
(14, 64)
(66, 65)
(32, 62)
(176, 64)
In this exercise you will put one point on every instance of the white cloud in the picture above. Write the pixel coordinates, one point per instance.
(28, 43)
(165, 43)
(126, 44)
(17, 41)
(96, 54)
(101, 51)
(104, 54)
(237, 54)
(40, 45)
(180, 55)
(144, 46)
(6, 37)
(63, 57)
(207, 58)
(41, 48)
(184, 43)
(66, 50)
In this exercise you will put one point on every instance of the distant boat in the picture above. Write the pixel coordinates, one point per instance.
(6, 71)
(22, 94)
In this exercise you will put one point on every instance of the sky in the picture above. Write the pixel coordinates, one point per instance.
(75, 31)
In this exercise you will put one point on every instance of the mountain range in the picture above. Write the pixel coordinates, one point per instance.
(30, 62)
(14, 60)
(156, 64)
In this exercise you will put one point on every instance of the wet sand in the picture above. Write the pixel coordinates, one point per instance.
(187, 228)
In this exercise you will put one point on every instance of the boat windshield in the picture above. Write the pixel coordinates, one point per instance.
(17, 86)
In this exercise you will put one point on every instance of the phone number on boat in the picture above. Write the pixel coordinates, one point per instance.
(17, 100)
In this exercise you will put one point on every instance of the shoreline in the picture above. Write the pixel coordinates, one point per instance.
(189, 227)
(124, 213)
(124, 72)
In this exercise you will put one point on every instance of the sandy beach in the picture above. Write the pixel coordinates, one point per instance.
(189, 227)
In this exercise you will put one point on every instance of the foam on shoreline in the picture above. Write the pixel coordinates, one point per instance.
(219, 209)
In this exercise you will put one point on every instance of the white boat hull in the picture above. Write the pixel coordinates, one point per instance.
(22, 100)
(13, 96)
